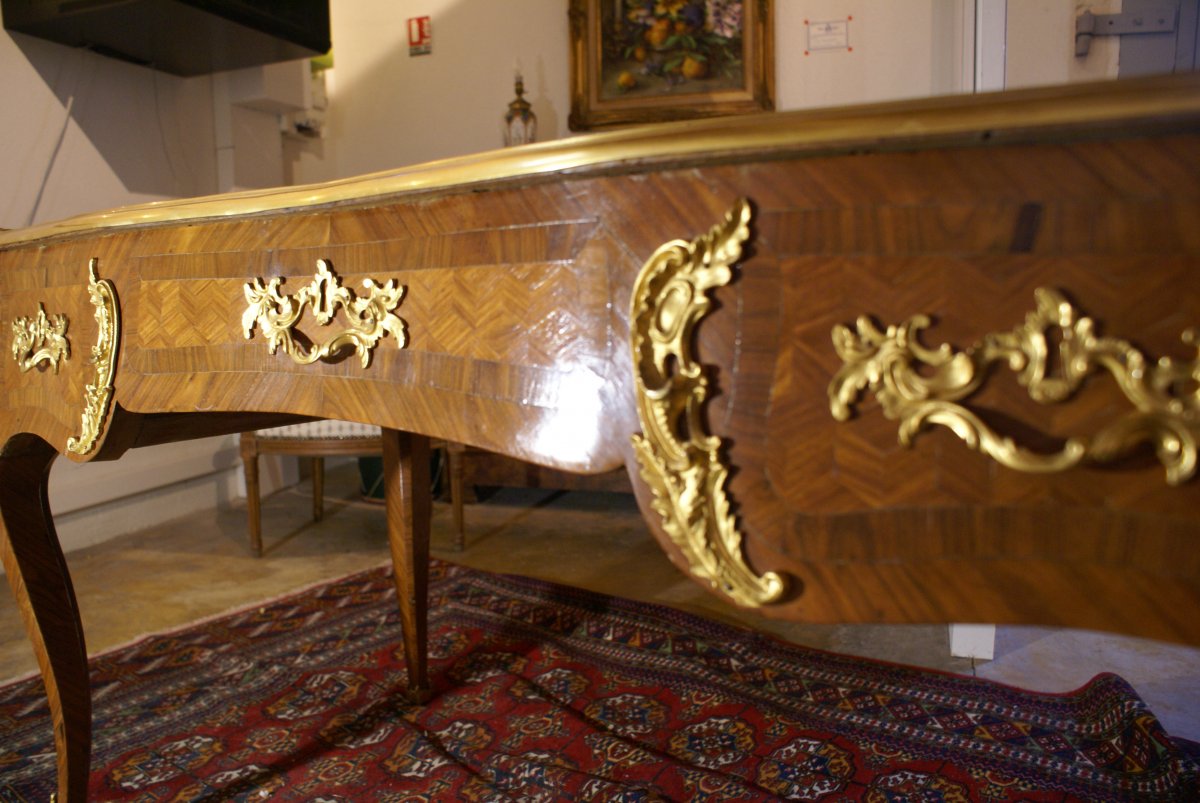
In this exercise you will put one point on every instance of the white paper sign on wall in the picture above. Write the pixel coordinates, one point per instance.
(828, 35)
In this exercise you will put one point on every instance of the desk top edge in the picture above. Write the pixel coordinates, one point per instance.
(1066, 111)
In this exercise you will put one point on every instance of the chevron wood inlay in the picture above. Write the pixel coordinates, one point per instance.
(181, 314)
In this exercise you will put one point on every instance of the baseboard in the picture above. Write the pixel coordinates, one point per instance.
(94, 502)
(76, 486)
(100, 522)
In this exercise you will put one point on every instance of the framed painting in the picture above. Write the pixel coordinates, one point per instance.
(641, 61)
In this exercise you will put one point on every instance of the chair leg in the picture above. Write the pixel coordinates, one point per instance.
(318, 477)
(249, 449)
(409, 510)
(454, 452)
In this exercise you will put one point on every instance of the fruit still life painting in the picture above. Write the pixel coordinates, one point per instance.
(651, 61)
(669, 47)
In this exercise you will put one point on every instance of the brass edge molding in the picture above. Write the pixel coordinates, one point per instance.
(98, 396)
(681, 464)
(920, 387)
(40, 338)
(370, 317)
(963, 119)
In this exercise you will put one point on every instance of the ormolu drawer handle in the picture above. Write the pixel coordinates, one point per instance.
(1165, 395)
(370, 318)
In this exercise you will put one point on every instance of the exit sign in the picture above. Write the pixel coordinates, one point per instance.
(420, 36)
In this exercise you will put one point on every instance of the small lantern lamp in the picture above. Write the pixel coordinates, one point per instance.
(520, 123)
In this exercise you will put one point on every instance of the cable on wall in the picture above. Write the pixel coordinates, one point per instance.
(62, 135)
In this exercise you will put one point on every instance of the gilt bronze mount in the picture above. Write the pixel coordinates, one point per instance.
(98, 395)
(921, 387)
(680, 462)
(370, 318)
(40, 339)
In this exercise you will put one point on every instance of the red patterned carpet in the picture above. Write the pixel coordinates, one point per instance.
(549, 693)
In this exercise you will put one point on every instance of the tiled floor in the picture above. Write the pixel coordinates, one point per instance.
(167, 576)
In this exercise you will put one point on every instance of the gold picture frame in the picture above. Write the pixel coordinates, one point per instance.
(644, 61)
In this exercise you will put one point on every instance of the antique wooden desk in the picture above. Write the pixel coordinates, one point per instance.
(733, 310)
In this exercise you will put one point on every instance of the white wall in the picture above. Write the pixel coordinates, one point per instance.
(82, 132)
(93, 502)
(389, 109)
(1041, 44)
(916, 48)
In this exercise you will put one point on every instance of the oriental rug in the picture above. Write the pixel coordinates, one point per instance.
(544, 692)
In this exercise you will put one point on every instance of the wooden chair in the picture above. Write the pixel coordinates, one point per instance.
(318, 440)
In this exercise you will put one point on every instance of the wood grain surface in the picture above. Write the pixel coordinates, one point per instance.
(517, 310)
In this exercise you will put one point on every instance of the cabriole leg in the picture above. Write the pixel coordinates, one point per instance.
(37, 573)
